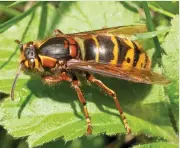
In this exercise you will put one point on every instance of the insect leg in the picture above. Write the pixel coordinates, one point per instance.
(110, 92)
(55, 79)
(75, 84)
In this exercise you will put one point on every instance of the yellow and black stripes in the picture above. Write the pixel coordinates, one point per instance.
(137, 53)
(123, 48)
(115, 50)
(90, 49)
(99, 49)
(106, 47)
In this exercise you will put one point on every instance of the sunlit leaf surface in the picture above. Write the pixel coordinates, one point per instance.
(171, 47)
(45, 113)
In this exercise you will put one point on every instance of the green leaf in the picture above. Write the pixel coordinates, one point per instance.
(16, 19)
(13, 4)
(88, 142)
(148, 35)
(157, 144)
(171, 69)
(44, 113)
(9, 11)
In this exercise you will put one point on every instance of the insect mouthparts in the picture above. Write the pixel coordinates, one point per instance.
(32, 60)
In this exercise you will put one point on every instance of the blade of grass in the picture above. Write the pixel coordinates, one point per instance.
(159, 10)
(16, 19)
(16, 3)
(43, 21)
(9, 11)
(159, 51)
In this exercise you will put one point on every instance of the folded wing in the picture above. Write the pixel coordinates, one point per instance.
(119, 71)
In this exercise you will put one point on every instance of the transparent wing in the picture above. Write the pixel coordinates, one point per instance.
(120, 31)
(119, 71)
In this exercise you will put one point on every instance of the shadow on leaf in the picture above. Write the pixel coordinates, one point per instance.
(130, 96)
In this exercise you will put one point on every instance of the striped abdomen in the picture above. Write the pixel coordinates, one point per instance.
(115, 50)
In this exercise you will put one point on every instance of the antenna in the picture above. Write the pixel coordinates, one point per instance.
(20, 44)
(15, 79)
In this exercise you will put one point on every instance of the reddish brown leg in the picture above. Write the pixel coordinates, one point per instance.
(55, 79)
(76, 84)
(113, 94)
(58, 32)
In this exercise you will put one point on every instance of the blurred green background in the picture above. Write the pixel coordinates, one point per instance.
(152, 111)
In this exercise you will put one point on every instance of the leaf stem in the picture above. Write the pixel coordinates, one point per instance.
(15, 3)
(149, 22)
(154, 8)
